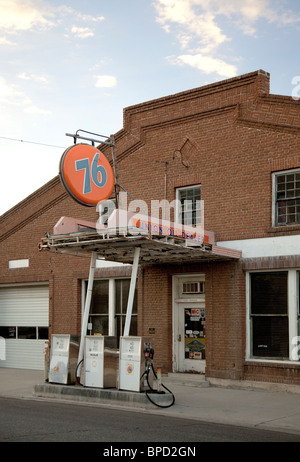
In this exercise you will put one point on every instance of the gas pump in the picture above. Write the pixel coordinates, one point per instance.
(63, 359)
(136, 354)
(101, 357)
(136, 368)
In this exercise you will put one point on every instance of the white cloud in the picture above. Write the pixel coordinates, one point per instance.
(206, 64)
(20, 16)
(82, 32)
(89, 18)
(63, 10)
(34, 77)
(105, 81)
(12, 96)
(27, 15)
(5, 41)
(9, 93)
(201, 25)
(34, 110)
(197, 25)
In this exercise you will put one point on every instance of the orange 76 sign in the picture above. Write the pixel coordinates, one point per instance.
(86, 174)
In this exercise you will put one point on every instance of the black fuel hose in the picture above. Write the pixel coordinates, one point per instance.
(152, 391)
(76, 378)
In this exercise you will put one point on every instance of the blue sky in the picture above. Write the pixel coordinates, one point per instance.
(69, 65)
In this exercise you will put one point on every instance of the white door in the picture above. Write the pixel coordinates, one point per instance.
(189, 323)
(24, 320)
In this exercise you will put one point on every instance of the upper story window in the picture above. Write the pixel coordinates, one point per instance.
(286, 187)
(189, 205)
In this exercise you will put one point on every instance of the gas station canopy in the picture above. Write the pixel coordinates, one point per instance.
(130, 246)
(154, 249)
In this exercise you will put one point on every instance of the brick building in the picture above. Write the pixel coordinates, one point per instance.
(236, 147)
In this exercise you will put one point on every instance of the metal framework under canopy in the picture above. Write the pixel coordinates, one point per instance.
(154, 249)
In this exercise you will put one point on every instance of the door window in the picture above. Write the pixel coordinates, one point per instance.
(194, 326)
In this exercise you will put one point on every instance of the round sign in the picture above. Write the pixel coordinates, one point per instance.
(86, 174)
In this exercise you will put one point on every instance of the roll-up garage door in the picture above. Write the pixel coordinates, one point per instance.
(24, 321)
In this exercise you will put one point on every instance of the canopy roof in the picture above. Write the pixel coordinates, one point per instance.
(154, 249)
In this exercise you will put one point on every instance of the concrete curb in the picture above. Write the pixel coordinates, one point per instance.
(101, 396)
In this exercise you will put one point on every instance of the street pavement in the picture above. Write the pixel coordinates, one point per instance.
(255, 405)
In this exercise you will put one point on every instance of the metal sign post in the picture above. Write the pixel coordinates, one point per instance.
(115, 168)
(86, 311)
(132, 290)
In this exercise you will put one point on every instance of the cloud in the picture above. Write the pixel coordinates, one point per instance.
(12, 96)
(5, 41)
(206, 64)
(105, 81)
(89, 18)
(82, 32)
(200, 25)
(9, 93)
(197, 25)
(34, 110)
(34, 77)
(21, 16)
(39, 15)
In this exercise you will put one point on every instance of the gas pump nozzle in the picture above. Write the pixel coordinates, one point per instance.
(148, 352)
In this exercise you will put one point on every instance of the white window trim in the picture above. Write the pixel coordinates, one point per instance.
(293, 275)
(185, 188)
(274, 175)
(111, 300)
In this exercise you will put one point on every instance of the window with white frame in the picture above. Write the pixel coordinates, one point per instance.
(109, 306)
(286, 198)
(189, 209)
(273, 300)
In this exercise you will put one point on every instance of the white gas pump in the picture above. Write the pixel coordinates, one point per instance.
(101, 361)
(135, 353)
(64, 351)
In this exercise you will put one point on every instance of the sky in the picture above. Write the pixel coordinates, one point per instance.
(75, 65)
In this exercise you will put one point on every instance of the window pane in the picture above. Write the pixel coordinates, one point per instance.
(269, 293)
(27, 333)
(182, 195)
(190, 202)
(287, 196)
(122, 293)
(99, 325)
(270, 336)
(43, 333)
(7, 332)
(121, 324)
(99, 302)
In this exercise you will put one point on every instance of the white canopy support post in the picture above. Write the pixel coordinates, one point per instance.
(132, 290)
(86, 313)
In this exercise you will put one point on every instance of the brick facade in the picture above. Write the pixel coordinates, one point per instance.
(229, 137)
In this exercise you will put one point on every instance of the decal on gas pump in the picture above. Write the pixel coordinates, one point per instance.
(129, 368)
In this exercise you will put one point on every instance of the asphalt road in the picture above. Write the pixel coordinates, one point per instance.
(43, 421)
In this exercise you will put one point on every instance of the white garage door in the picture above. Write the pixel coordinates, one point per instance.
(24, 321)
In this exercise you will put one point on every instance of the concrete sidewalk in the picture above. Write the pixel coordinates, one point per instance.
(266, 406)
